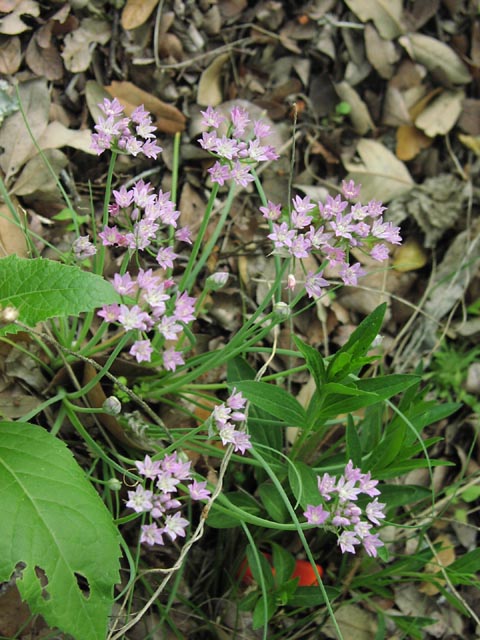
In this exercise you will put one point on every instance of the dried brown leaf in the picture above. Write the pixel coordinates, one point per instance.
(381, 174)
(57, 135)
(385, 14)
(14, 137)
(168, 118)
(36, 176)
(10, 54)
(137, 12)
(44, 60)
(439, 117)
(410, 141)
(77, 52)
(12, 23)
(381, 53)
(471, 142)
(437, 57)
(209, 88)
(12, 237)
(359, 114)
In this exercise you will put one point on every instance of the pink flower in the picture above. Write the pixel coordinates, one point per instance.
(314, 284)
(142, 350)
(198, 491)
(219, 173)
(148, 467)
(175, 526)
(347, 541)
(140, 500)
(316, 515)
(172, 359)
(151, 534)
(212, 118)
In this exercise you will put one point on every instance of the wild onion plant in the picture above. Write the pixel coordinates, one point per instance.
(230, 450)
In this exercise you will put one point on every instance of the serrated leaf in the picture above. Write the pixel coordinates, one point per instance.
(436, 56)
(382, 175)
(41, 289)
(53, 520)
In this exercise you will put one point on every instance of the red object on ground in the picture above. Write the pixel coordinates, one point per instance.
(303, 570)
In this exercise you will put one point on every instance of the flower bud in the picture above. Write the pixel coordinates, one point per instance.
(282, 309)
(114, 484)
(9, 314)
(112, 406)
(217, 280)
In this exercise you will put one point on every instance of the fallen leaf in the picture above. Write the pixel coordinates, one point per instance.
(36, 176)
(136, 12)
(209, 89)
(385, 14)
(78, 49)
(57, 135)
(443, 557)
(381, 53)
(12, 236)
(10, 55)
(439, 116)
(354, 622)
(410, 256)
(410, 141)
(471, 142)
(382, 176)
(437, 57)
(12, 23)
(469, 120)
(359, 114)
(44, 60)
(168, 118)
(14, 136)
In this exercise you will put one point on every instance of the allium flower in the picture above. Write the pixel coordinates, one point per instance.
(198, 491)
(347, 541)
(148, 468)
(172, 359)
(175, 526)
(151, 534)
(314, 284)
(83, 248)
(142, 350)
(140, 500)
(316, 515)
(374, 511)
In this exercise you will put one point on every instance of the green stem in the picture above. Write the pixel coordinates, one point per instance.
(100, 256)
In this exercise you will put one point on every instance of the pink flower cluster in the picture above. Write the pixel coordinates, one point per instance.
(141, 213)
(330, 230)
(223, 418)
(159, 501)
(157, 306)
(239, 148)
(343, 514)
(118, 132)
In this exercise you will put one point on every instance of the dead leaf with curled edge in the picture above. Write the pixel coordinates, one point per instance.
(167, 117)
(385, 14)
(437, 57)
(78, 49)
(137, 12)
(12, 236)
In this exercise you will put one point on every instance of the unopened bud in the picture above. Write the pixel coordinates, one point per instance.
(291, 281)
(217, 280)
(112, 406)
(282, 309)
(114, 484)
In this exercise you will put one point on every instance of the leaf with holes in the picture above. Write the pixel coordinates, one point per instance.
(56, 532)
(40, 289)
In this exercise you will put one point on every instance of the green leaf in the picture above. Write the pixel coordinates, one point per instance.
(314, 362)
(345, 360)
(273, 502)
(264, 611)
(284, 564)
(41, 289)
(354, 447)
(53, 520)
(304, 483)
(274, 400)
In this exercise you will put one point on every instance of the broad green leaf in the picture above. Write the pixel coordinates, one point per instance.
(53, 520)
(284, 564)
(305, 597)
(274, 400)
(41, 289)
(263, 611)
